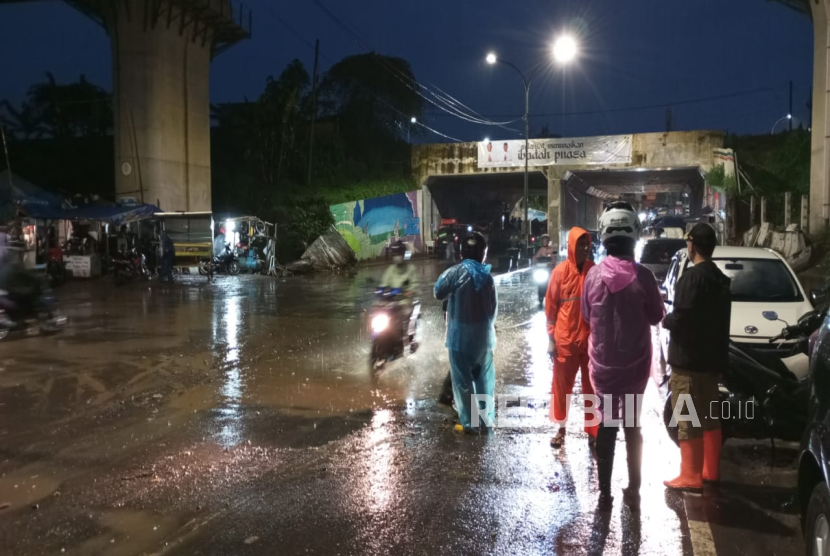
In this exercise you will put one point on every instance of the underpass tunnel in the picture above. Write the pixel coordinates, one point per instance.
(585, 193)
(482, 199)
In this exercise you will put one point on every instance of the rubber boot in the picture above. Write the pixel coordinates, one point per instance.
(712, 441)
(691, 466)
(634, 457)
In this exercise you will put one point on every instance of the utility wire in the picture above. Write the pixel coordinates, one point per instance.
(638, 108)
(290, 27)
(382, 100)
(410, 83)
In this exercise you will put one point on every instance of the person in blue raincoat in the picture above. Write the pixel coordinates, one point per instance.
(471, 334)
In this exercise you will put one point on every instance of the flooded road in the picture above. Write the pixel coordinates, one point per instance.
(241, 417)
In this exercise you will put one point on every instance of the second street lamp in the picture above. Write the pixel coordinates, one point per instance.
(564, 50)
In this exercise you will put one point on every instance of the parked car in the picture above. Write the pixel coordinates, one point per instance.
(761, 281)
(657, 255)
(813, 464)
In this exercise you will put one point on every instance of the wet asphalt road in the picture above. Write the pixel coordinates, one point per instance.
(242, 418)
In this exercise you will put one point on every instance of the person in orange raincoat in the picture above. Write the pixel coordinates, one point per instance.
(568, 331)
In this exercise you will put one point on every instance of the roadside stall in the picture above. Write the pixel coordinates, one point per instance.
(192, 235)
(252, 240)
(20, 200)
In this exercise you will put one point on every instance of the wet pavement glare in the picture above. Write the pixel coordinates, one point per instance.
(242, 418)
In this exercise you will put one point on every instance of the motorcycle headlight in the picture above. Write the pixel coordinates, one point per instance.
(380, 323)
(540, 276)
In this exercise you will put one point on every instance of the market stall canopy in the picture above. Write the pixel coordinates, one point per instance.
(20, 195)
(110, 214)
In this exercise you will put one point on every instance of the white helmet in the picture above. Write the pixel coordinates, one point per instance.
(619, 220)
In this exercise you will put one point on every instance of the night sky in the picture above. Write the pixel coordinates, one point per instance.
(635, 53)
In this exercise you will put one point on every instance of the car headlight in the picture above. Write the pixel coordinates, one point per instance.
(380, 323)
(540, 276)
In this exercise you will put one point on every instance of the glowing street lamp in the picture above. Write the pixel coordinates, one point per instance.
(564, 50)
(787, 117)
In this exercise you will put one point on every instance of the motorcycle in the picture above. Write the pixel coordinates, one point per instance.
(763, 394)
(33, 313)
(226, 263)
(129, 266)
(542, 269)
(390, 330)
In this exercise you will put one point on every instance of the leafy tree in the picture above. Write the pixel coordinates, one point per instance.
(279, 113)
(373, 98)
(774, 164)
(24, 123)
(78, 109)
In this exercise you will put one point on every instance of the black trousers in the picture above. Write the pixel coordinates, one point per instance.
(606, 443)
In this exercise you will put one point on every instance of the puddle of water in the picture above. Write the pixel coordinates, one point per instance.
(28, 485)
(128, 532)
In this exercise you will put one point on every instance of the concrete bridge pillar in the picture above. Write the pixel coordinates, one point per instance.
(162, 111)
(820, 162)
(554, 205)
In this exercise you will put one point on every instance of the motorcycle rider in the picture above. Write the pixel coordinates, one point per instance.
(546, 250)
(471, 334)
(620, 303)
(401, 275)
(568, 331)
(698, 353)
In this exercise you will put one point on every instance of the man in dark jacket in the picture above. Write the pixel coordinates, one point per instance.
(698, 353)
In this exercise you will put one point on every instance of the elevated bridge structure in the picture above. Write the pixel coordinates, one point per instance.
(161, 54)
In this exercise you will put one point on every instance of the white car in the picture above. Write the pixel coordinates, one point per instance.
(761, 281)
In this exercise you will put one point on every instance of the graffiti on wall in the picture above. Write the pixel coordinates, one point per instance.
(368, 225)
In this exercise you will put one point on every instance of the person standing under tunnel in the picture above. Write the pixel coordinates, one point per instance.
(471, 334)
(568, 331)
(620, 302)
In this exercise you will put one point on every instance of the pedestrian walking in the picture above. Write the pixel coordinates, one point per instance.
(168, 255)
(620, 302)
(568, 332)
(698, 354)
(471, 334)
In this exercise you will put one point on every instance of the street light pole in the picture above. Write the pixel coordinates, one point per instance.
(564, 50)
(526, 81)
(787, 117)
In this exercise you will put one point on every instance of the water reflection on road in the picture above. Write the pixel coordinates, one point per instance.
(251, 401)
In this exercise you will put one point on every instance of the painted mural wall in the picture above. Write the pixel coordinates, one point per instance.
(368, 225)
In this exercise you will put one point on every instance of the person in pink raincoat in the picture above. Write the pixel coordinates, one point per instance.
(620, 302)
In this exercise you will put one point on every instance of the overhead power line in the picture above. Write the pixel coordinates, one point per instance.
(307, 42)
(440, 102)
(639, 108)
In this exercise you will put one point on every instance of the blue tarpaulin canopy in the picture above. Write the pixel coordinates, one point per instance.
(18, 194)
(111, 214)
(23, 197)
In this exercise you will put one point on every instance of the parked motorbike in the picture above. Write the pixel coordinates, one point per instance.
(542, 269)
(32, 313)
(390, 329)
(226, 263)
(761, 396)
(129, 266)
